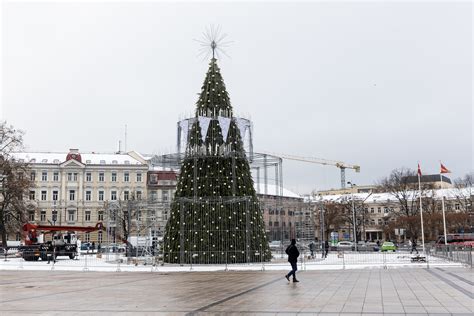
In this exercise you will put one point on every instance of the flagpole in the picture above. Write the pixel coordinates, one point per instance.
(444, 214)
(421, 214)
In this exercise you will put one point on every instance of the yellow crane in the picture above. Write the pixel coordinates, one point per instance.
(339, 164)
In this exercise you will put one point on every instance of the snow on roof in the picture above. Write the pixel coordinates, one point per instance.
(274, 190)
(161, 168)
(388, 197)
(87, 158)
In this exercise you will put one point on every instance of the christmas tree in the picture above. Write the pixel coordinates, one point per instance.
(215, 215)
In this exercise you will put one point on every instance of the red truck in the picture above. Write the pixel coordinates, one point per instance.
(63, 241)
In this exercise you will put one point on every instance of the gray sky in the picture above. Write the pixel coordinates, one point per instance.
(378, 84)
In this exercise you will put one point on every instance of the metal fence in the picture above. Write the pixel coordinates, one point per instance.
(454, 253)
(112, 260)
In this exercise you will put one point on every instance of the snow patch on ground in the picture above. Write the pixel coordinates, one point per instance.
(117, 262)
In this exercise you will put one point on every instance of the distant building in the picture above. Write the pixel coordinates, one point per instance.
(348, 190)
(432, 181)
(74, 188)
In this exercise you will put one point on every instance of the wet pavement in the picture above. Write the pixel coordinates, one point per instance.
(408, 291)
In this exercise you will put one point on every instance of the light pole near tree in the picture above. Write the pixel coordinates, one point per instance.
(353, 214)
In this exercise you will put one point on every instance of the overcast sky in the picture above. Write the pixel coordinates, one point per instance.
(379, 84)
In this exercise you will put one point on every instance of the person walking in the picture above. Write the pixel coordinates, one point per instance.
(93, 247)
(311, 248)
(293, 254)
(50, 253)
(326, 248)
(413, 246)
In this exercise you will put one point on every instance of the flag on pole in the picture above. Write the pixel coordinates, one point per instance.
(419, 170)
(444, 169)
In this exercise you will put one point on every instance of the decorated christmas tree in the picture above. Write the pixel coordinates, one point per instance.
(215, 215)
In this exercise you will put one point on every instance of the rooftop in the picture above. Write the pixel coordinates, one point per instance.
(87, 158)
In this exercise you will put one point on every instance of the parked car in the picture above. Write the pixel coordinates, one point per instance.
(275, 245)
(368, 246)
(86, 246)
(345, 245)
(388, 246)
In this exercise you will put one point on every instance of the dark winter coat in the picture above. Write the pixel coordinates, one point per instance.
(292, 253)
(326, 245)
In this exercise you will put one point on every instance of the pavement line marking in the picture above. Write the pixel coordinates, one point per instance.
(454, 285)
(202, 309)
(457, 277)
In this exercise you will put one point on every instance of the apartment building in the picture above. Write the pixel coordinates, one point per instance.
(74, 188)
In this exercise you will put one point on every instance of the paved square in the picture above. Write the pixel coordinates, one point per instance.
(410, 291)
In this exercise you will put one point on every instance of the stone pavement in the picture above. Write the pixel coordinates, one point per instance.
(409, 291)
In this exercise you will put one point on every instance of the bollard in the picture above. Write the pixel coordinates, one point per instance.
(85, 264)
(20, 263)
(427, 260)
(118, 265)
(226, 261)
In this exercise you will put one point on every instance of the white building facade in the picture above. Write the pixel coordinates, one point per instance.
(75, 188)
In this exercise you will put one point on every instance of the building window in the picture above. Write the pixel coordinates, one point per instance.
(380, 221)
(87, 237)
(100, 216)
(457, 207)
(114, 177)
(372, 210)
(99, 237)
(33, 176)
(44, 176)
(75, 176)
(126, 177)
(43, 195)
(139, 195)
(113, 195)
(56, 176)
(101, 176)
(32, 195)
(165, 195)
(55, 195)
(71, 215)
(31, 216)
(43, 216)
(154, 195)
(379, 209)
(139, 177)
(69, 176)
(101, 195)
(151, 215)
(88, 195)
(125, 195)
(88, 177)
(88, 216)
(139, 215)
(54, 216)
(72, 195)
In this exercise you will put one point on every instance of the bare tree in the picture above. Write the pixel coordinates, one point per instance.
(398, 185)
(462, 192)
(14, 184)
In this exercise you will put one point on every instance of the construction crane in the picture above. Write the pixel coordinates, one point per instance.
(339, 164)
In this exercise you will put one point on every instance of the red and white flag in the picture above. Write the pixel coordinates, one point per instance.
(444, 169)
(419, 170)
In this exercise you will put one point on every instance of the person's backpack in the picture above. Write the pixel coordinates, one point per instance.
(287, 251)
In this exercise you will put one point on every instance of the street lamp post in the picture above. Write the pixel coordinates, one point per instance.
(353, 214)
